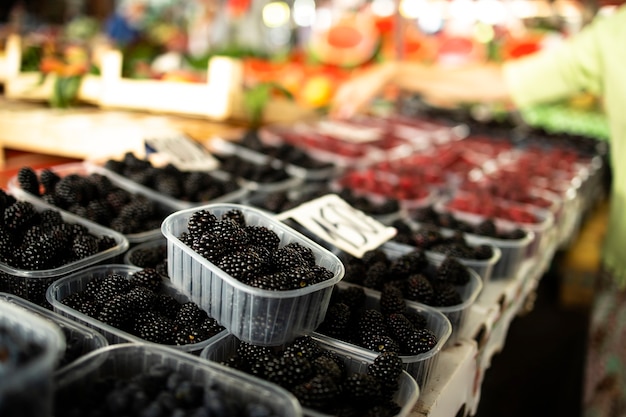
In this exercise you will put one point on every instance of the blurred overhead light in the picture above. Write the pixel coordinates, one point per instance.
(383, 8)
(304, 12)
(276, 14)
(410, 9)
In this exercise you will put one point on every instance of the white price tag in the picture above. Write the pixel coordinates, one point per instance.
(183, 152)
(334, 220)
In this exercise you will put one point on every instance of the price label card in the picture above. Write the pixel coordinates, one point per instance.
(334, 220)
(183, 152)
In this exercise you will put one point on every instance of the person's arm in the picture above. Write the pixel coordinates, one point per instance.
(476, 83)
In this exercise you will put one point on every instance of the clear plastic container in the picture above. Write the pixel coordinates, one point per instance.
(78, 281)
(124, 361)
(420, 366)
(32, 284)
(469, 292)
(156, 245)
(26, 385)
(79, 339)
(512, 251)
(254, 315)
(84, 168)
(230, 197)
(224, 346)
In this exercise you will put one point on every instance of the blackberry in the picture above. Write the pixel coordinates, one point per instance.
(320, 274)
(210, 327)
(48, 180)
(446, 295)
(236, 215)
(262, 236)
(190, 314)
(187, 335)
(41, 254)
(370, 323)
(28, 181)
(456, 250)
(421, 341)
(19, 215)
(99, 212)
(167, 306)
(117, 199)
(106, 242)
(273, 281)
(336, 321)
(142, 298)
(380, 343)
(400, 327)
(288, 371)
(159, 330)
(448, 221)
(412, 262)
(425, 214)
(252, 352)
(305, 252)
(482, 252)
(426, 237)
(286, 258)
(353, 297)
(418, 320)
(84, 246)
(362, 389)
(387, 368)
(148, 257)
(148, 278)
(229, 233)
(374, 256)
(418, 288)
(486, 228)
(392, 300)
(168, 185)
(207, 247)
(303, 346)
(116, 311)
(453, 271)
(355, 272)
(112, 285)
(515, 234)
(376, 275)
(50, 218)
(317, 393)
(329, 366)
(243, 264)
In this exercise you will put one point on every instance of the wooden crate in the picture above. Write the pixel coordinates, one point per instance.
(28, 85)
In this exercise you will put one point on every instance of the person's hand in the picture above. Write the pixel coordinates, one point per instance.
(354, 95)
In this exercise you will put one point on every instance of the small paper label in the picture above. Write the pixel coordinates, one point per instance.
(337, 222)
(183, 152)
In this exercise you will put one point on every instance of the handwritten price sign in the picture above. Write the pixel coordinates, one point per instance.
(337, 222)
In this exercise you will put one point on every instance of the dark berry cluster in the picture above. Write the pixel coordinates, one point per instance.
(320, 379)
(243, 168)
(280, 201)
(150, 256)
(139, 305)
(252, 253)
(412, 274)
(388, 327)
(35, 239)
(94, 197)
(160, 390)
(431, 238)
(16, 353)
(487, 227)
(195, 186)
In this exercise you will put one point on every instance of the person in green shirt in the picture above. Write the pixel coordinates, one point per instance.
(592, 61)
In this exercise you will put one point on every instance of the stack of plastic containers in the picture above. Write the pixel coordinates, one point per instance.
(32, 347)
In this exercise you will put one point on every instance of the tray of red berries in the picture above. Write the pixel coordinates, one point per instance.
(41, 243)
(262, 280)
(159, 378)
(327, 377)
(130, 304)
